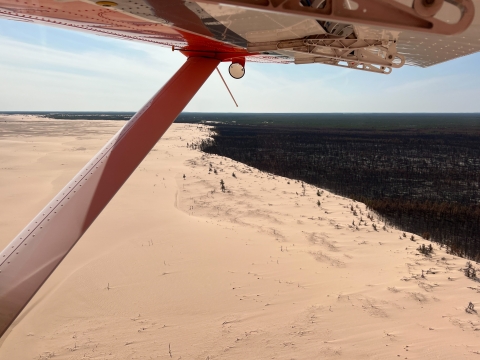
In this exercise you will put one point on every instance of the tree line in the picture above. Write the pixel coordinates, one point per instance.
(425, 183)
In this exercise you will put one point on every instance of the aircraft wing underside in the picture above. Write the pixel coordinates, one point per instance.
(371, 35)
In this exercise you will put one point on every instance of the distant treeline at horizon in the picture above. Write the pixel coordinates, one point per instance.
(347, 121)
(425, 182)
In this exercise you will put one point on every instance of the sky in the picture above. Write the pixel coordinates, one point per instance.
(51, 69)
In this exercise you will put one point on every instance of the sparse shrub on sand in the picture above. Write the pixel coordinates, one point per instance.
(222, 185)
(374, 227)
(425, 250)
(233, 174)
(470, 271)
(404, 235)
(412, 238)
(470, 308)
(318, 203)
(318, 193)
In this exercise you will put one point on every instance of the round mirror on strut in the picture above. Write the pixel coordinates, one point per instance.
(236, 70)
(427, 8)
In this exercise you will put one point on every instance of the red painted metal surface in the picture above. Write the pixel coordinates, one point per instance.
(90, 17)
(33, 255)
(181, 33)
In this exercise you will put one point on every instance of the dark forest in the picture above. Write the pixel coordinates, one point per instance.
(425, 182)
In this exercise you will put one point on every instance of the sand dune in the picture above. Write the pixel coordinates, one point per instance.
(175, 268)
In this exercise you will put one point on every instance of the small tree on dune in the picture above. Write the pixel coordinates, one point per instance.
(425, 250)
(470, 271)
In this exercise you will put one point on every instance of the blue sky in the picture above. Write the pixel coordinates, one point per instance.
(45, 68)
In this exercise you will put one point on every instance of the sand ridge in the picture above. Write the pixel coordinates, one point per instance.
(175, 268)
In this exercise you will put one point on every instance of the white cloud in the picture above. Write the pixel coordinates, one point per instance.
(33, 77)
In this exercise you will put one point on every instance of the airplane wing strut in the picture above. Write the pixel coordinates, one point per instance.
(33, 255)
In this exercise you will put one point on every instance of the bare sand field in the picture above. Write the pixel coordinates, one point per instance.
(174, 268)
